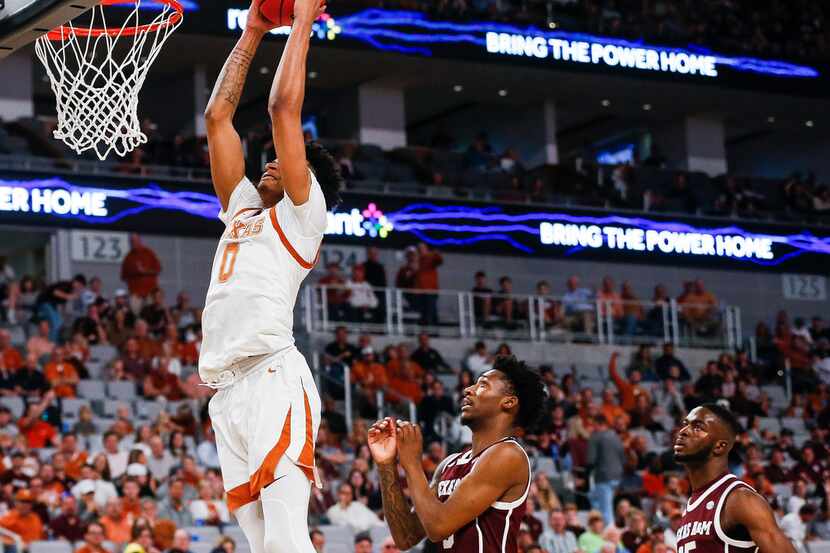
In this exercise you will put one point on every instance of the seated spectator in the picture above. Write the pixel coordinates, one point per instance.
(174, 507)
(148, 347)
(116, 523)
(131, 490)
(434, 404)
(181, 542)
(86, 425)
(479, 360)
(10, 358)
(41, 343)
(38, 433)
(117, 459)
(91, 326)
(698, 308)
(482, 298)
(162, 383)
(611, 408)
(591, 541)
(336, 294)
(160, 461)
(610, 301)
(94, 538)
(136, 366)
(61, 375)
(156, 314)
(407, 276)
(363, 302)
(578, 307)
(351, 513)
(208, 510)
(184, 314)
(427, 357)
(363, 543)
(405, 385)
(557, 538)
(118, 329)
(22, 520)
(643, 363)
(796, 525)
(7, 426)
(504, 304)
(632, 310)
(426, 281)
(185, 353)
(551, 309)
(141, 540)
(663, 365)
(369, 373)
(30, 381)
(636, 532)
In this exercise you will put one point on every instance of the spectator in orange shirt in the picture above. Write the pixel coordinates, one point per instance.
(427, 279)
(610, 408)
(93, 539)
(629, 389)
(369, 373)
(161, 382)
(610, 300)
(61, 374)
(140, 269)
(40, 344)
(148, 347)
(173, 347)
(117, 524)
(22, 520)
(336, 296)
(11, 358)
(75, 458)
(406, 385)
(698, 307)
(131, 502)
(38, 432)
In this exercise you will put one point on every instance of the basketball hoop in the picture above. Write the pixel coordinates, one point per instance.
(97, 70)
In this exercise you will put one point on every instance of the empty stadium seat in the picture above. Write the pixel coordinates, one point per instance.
(91, 389)
(796, 424)
(50, 547)
(819, 546)
(123, 390)
(772, 424)
(111, 407)
(379, 533)
(236, 534)
(201, 546)
(338, 534)
(71, 406)
(337, 548)
(15, 405)
(209, 534)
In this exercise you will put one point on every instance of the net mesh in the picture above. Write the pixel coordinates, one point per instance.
(96, 72)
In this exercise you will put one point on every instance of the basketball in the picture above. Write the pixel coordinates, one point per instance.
(280, 12)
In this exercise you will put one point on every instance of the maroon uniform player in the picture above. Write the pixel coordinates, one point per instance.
(723, 515)
(477, 497)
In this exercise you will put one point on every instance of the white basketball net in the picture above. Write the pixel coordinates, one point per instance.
(96, 77)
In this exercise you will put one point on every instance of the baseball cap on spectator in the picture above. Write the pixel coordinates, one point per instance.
(368, 350)
(120, 293)
(85, 487)
(136, 469)
(24, 495)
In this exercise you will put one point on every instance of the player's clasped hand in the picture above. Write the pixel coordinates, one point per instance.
(383, 441)
(410, 445)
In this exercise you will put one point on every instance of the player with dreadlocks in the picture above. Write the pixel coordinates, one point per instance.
(477, 497)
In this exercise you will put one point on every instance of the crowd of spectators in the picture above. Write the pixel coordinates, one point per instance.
(604, 477)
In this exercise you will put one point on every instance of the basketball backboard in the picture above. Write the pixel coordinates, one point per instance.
(22, 21)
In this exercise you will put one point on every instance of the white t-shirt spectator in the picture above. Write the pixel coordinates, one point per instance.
(118, 463)
(357, 516)
(794, 504)
(795, 529)
(104, 490)
(160, 466)
(361, 295)
(203, 510)
(207, 455)
(479, 363)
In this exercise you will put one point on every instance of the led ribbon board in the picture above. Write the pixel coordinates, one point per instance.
(461, 226)
(410, 32)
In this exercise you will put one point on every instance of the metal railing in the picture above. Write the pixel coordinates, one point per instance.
(534, 318)
(77, 166)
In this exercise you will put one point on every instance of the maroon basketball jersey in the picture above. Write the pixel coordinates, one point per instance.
(700, 530)
(494, 530)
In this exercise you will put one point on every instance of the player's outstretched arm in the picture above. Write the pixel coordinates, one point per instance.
(500, 468)
(403, 523)
(227, 161)
(746, 508)
(285, 103)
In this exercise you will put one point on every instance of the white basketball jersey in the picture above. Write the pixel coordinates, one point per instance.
(262, 259)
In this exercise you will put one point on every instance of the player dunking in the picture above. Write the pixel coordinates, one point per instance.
(267, 410)
(477, 497)
(723, 514)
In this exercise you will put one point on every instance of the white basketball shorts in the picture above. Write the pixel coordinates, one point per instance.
(271, 411)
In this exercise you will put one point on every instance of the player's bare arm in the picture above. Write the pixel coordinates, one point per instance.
(404, 525)
(285, 103)
(500, 469)
(227, 160)
(746, 508)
